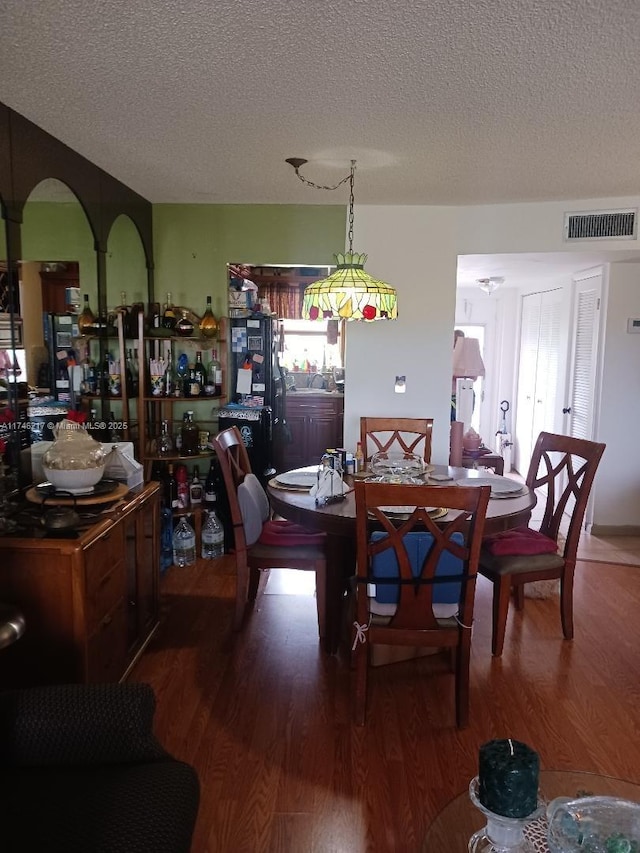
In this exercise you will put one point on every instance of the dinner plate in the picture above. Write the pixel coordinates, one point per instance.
(500, 486)
(301, 479)
(405, 511)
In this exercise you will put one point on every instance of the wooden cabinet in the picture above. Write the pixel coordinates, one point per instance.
(315, 424)
(91, 604)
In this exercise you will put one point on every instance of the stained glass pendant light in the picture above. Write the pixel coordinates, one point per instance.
(349, 293)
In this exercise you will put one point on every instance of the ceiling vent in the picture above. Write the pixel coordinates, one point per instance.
(601, 225)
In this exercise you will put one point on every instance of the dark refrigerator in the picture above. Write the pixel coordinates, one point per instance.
(256, 390)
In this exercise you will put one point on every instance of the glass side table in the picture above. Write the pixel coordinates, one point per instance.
(453, 827)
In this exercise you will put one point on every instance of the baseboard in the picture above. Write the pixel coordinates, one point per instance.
(615, 530)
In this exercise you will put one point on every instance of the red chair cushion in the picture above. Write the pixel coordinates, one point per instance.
(521, 541)
(283, 533)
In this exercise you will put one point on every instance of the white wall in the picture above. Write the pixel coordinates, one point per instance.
(617, 489)
(416, 249)
(413, 249)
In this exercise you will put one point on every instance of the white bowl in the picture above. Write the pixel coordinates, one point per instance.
(74, 480)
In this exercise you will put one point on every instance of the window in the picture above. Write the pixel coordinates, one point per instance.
(306, 347)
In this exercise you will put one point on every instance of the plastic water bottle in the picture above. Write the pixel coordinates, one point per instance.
(212, 537)
(184, 544)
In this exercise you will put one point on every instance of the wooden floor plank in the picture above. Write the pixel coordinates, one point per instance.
(264, 715)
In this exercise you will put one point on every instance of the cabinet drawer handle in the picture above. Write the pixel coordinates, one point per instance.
(108, 619)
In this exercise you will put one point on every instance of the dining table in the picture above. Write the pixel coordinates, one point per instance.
(290, 499)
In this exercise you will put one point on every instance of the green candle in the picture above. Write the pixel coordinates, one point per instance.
(508, 778)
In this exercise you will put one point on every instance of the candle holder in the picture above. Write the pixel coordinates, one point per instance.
(501, 834)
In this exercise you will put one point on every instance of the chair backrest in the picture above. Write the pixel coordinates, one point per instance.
(408, 435)
(460, 536)
(565, 468)
(248, 502)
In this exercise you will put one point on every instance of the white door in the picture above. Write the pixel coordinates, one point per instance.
(537, 398)
(579, 411)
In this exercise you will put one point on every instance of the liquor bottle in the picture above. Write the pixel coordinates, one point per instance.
(195, 488)
(169, 385)
(154, 316)
(214, 374)
(171, 489)
(200, 377)
(130, 375)
(184, 326)
(168, 314)
(86, 318)
(184, 544)
(210, 495)
(164, 445)
(189, 433)
(212, 537)
(182, 479)
(358, 458)
(124, 310)
(209, 323)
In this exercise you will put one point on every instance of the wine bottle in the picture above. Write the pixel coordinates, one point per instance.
(208, 323)
(87, 318)
(210, 496)
(168, 314)
(171, 489)
(214, 374)
(169, 377)
(200, 377)
(195, 488)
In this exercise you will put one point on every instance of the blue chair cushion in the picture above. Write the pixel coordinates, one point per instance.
(385, 565)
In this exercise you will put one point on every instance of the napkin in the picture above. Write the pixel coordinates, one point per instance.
(329, 483)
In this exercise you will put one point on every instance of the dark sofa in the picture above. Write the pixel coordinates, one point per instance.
(81, 772)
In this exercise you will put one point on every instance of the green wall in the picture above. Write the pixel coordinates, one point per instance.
(59, 231)
(194, 243)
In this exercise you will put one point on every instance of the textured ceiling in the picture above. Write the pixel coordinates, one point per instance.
(439, 101)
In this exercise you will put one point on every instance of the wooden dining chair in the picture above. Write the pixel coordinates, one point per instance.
(261, 544)
(387, 557)
(406, 435)
(562, 469)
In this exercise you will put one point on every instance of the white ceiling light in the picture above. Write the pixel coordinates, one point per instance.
(490, 284)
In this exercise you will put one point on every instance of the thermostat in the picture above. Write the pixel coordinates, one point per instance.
(633, 325)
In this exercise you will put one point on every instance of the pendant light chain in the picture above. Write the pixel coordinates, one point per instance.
(351, 203)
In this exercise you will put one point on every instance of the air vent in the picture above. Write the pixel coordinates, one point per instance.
(607, 225)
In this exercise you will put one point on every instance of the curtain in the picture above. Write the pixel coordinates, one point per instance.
(285, 299)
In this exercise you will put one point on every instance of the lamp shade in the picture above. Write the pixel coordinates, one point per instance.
(350, 294)
(467, 361)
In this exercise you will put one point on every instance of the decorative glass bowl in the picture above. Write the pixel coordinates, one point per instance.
(75, 461)
(593, 825)
(397, 467)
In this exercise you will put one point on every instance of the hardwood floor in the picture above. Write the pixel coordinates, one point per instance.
(264, 716)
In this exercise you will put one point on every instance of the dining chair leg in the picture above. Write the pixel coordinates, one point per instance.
(501, 592)
(254, 583)
(566, 603)
(518, 596)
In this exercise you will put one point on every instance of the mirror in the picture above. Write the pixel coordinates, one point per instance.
(57, 255)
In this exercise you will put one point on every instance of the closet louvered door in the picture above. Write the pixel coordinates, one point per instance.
(584, 349)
